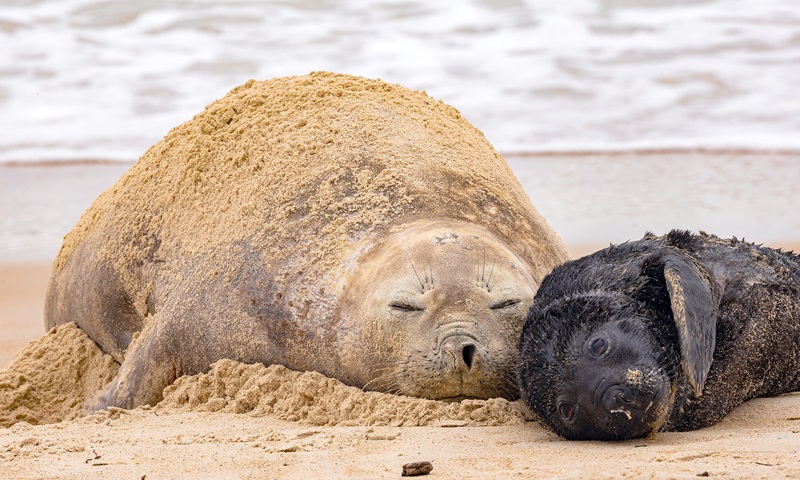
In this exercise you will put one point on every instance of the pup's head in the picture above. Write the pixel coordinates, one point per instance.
(608, 340)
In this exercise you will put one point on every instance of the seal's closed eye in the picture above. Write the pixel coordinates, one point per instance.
(405, 307)
(507, 303)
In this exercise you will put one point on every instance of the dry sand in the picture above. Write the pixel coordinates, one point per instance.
(177, 439)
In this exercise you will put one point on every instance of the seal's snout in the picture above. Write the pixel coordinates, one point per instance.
(626, 403)
(464, 351)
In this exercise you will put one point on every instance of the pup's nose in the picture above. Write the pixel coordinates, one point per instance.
(620, 399)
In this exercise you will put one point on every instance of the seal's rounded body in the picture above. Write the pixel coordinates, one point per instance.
(324, 222)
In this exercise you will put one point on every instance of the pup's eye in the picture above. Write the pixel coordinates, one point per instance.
(504, 304)
(598, 347)
(566, 410)
(404, 307)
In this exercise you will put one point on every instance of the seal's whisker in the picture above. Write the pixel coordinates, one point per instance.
(390, 376)
(399, 386)
(483, 266)
(488, 280)
(422, 285)
(388, 380)
(508, 386)
(430, 276)
(384, 369)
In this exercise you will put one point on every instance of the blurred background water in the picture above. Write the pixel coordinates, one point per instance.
(104, 80)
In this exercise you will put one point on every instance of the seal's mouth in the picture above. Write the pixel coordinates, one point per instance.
(624, 408)
(623, 397)
(458, 398)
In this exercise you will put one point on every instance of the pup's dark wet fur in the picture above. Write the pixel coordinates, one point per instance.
(664, 333)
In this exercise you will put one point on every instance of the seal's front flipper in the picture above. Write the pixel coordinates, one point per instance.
(694, 298)
(148, 369)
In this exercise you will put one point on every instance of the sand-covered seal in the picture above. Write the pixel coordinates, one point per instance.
(665, 333)
(323, 222)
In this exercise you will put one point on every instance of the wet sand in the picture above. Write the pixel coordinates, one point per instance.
(22, 290)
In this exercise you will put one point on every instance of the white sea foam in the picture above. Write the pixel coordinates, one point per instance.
(101, 79)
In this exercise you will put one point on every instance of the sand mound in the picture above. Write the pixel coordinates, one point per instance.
(312, 398)
(52, 377)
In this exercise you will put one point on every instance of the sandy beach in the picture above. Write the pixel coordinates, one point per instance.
(22, 288)
(760, 439)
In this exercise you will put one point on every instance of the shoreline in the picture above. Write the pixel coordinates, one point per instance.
(590, 199)
(654, 151)
(520, 154)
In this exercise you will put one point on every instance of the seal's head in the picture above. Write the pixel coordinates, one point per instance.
(440, 306)
(600, 382)
(615, 341)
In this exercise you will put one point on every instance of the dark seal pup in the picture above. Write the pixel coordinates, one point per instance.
(665, 333)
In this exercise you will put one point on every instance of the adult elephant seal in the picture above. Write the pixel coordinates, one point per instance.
(665, 333)
(323, 222)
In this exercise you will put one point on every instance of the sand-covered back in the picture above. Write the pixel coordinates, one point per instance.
(300, 170)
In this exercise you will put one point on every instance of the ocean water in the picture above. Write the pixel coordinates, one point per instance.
(104, 79)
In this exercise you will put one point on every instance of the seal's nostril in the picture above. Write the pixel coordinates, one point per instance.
(468, 353)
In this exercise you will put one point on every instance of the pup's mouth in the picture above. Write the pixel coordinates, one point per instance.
(624, 397)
